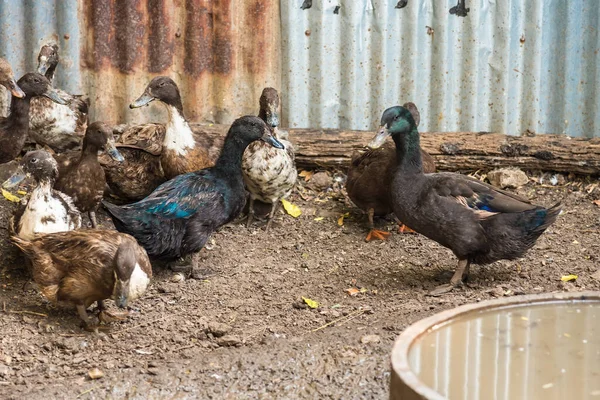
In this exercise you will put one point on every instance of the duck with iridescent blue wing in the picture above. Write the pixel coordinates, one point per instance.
(177, 219)
(478, 222)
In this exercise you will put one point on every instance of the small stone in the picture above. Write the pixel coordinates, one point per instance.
(507, 178)
(178, 277)
(369, 339)
(218, 329)
(498, 291)
(320, 181)
(4, 371)
(95, 373)
(229, 340)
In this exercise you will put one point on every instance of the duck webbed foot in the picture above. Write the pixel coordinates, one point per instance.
(375, 233)
(461, 274)
(274, 209)
(403, 228)
(183, 264)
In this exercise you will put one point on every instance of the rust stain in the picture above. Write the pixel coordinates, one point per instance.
(117, 34)
(256, 44)
(161, 44)
(208, 42)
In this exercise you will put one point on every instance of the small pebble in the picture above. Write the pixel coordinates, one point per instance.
(95, 373)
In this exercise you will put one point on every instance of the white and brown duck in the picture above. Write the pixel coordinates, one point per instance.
(157, 152)
(14, 129)
(61, 127)
(81, 176)
(47, 210)
(86, 266)
(269, 173)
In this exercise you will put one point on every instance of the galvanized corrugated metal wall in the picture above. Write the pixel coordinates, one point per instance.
(220, 52)
(508, 66)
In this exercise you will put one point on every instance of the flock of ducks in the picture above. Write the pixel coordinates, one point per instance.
(174, 190)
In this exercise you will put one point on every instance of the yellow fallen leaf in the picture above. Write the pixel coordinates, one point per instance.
(341, 219)
(319, 218)
(21, 192)
(306, 175)
(291, 208)
(310, 303)
(353, 291)
(567, 278)
(10, 197)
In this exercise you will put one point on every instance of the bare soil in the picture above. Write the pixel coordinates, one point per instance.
(244, 332)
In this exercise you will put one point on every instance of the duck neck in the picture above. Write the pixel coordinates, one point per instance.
(19, 113)
(178, 135)
(89, 152)
(45, 184)
(408, 151)
(230, 159)
(50, 72)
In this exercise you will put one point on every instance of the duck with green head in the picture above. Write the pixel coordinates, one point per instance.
(478, 222)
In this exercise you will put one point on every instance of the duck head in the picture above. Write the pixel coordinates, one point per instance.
(39, 164)
(394, 121)
(160, 88)
(7, 79)
(48, 59)
(34, 84)
(269, 104)
(250, 128)
(130, 279)
(99, 137)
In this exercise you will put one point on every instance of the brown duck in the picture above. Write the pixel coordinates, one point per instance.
(370, 175)
(15, 128)
(7, 79)
(81, 176)
(155, 153)
(87, 266)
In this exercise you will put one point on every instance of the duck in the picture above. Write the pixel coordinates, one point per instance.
(81, 267)
(59, 126)
(7, 79)
(180, 153)
(269, 173)
(478, 222)
(370, 175)
(177, 219)
(15, 128)
(155, 153)
(47, 210)
(81, 176)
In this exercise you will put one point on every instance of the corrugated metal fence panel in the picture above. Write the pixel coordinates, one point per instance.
(508, 66)
(220, 52)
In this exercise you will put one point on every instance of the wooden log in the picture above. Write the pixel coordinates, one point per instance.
(453, 151)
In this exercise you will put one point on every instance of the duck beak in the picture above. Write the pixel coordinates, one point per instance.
(112, 151)
(55, 97)
(17, 177)
(273, 120)
(122, 293)
(268, 138)
(380, 138)
(15, 89)
(143, 100)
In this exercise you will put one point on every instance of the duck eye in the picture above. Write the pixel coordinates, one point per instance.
(33, 160)
(162, 84)
(36, 80)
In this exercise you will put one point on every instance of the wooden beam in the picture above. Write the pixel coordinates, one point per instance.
(453, 151)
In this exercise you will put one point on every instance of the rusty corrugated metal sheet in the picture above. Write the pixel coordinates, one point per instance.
(507, 66)
(220, 52)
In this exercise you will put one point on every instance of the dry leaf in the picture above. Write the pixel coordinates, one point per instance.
(10, 197)
(21, 192)
(291, 208)
(310, 303)
(341, 218)
(596, 202)
(307, 175)
(568, 278)
(353, 291)
(319, 218)
(95, 373)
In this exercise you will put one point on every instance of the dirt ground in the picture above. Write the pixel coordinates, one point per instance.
(244, 332)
